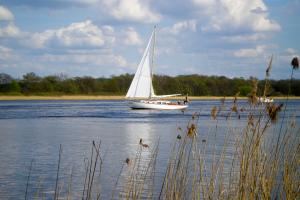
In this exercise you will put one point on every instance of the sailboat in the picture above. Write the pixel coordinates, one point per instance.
(141, 93)
(264, 98)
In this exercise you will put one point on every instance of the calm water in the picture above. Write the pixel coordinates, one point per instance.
(35, 129)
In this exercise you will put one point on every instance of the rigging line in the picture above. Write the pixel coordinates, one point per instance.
(152, 63)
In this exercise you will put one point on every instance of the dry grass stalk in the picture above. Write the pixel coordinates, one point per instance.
(250, 167)
(273, 111)
(213, 112)
(252, 98)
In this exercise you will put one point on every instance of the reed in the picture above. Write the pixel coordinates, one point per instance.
(255, 162)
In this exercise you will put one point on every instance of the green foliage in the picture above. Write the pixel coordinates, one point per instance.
(14, 87)
(193, 85)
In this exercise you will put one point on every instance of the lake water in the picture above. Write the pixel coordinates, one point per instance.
(34, 130)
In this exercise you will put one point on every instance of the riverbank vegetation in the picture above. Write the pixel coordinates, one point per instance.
(193, 85)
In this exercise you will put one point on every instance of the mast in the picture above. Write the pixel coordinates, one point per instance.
(267, 77)
(152, 62)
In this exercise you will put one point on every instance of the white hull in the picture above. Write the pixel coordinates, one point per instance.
(157, 105)
(265, 100)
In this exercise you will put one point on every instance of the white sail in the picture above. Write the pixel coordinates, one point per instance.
(141, 85)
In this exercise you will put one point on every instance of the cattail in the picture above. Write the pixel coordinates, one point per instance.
(223, 100)
(213, 113)
(191, 130)
(295, 63)
(269, 67)
(252, 96)
(195, 115)
(234, 108)
(127, 161)
(143, 145)
(273, 111)
(235, 97)
(251, 120)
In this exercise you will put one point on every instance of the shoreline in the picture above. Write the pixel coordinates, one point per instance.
(105, 97)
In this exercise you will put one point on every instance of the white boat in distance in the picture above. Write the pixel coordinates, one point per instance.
(264, 98)
(141, 93)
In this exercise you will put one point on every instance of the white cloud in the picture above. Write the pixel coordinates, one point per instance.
(291, 51)
(130, 10)
(244, 38)
(10, 30)
(131, 37)
(6, 53)
(181, 26)
(250, 53)
(5, 14)
(287, 55)
(98, 59)
(230, 15)
(81, 34)
(8, 57)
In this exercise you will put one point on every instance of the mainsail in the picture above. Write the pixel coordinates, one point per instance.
(141, 85)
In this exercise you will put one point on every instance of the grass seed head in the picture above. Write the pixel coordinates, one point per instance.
(253, 94)
(234, 108)
(273, 111)
(127, 161)
(213, 112)
(251, 120)
(191, 132)
(236, 97)
(223, 100)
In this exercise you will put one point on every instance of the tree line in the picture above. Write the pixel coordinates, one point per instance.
(193, 85)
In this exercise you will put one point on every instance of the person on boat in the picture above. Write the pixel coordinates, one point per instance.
(186, 100)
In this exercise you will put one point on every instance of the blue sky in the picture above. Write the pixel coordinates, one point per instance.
(233, 38)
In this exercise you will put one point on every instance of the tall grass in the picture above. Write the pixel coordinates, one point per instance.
(255, 162)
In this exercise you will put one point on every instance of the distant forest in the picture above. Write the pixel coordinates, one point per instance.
(193, 85)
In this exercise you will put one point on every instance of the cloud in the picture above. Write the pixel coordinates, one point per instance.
(80, 34)
(56, 4)
(131, 37)
(290, 51)
(6, 53)
(98, 58)
(181, 26)
(251, 53)
(244, 38)
(286, 56)
(10, 30)
(7, 26)
(133, 10)
(232, 15)
(5, 14)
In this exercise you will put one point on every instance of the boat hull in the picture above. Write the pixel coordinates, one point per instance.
(265, 100)
(156, 105)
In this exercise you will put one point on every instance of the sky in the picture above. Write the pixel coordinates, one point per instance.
(102, 38)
